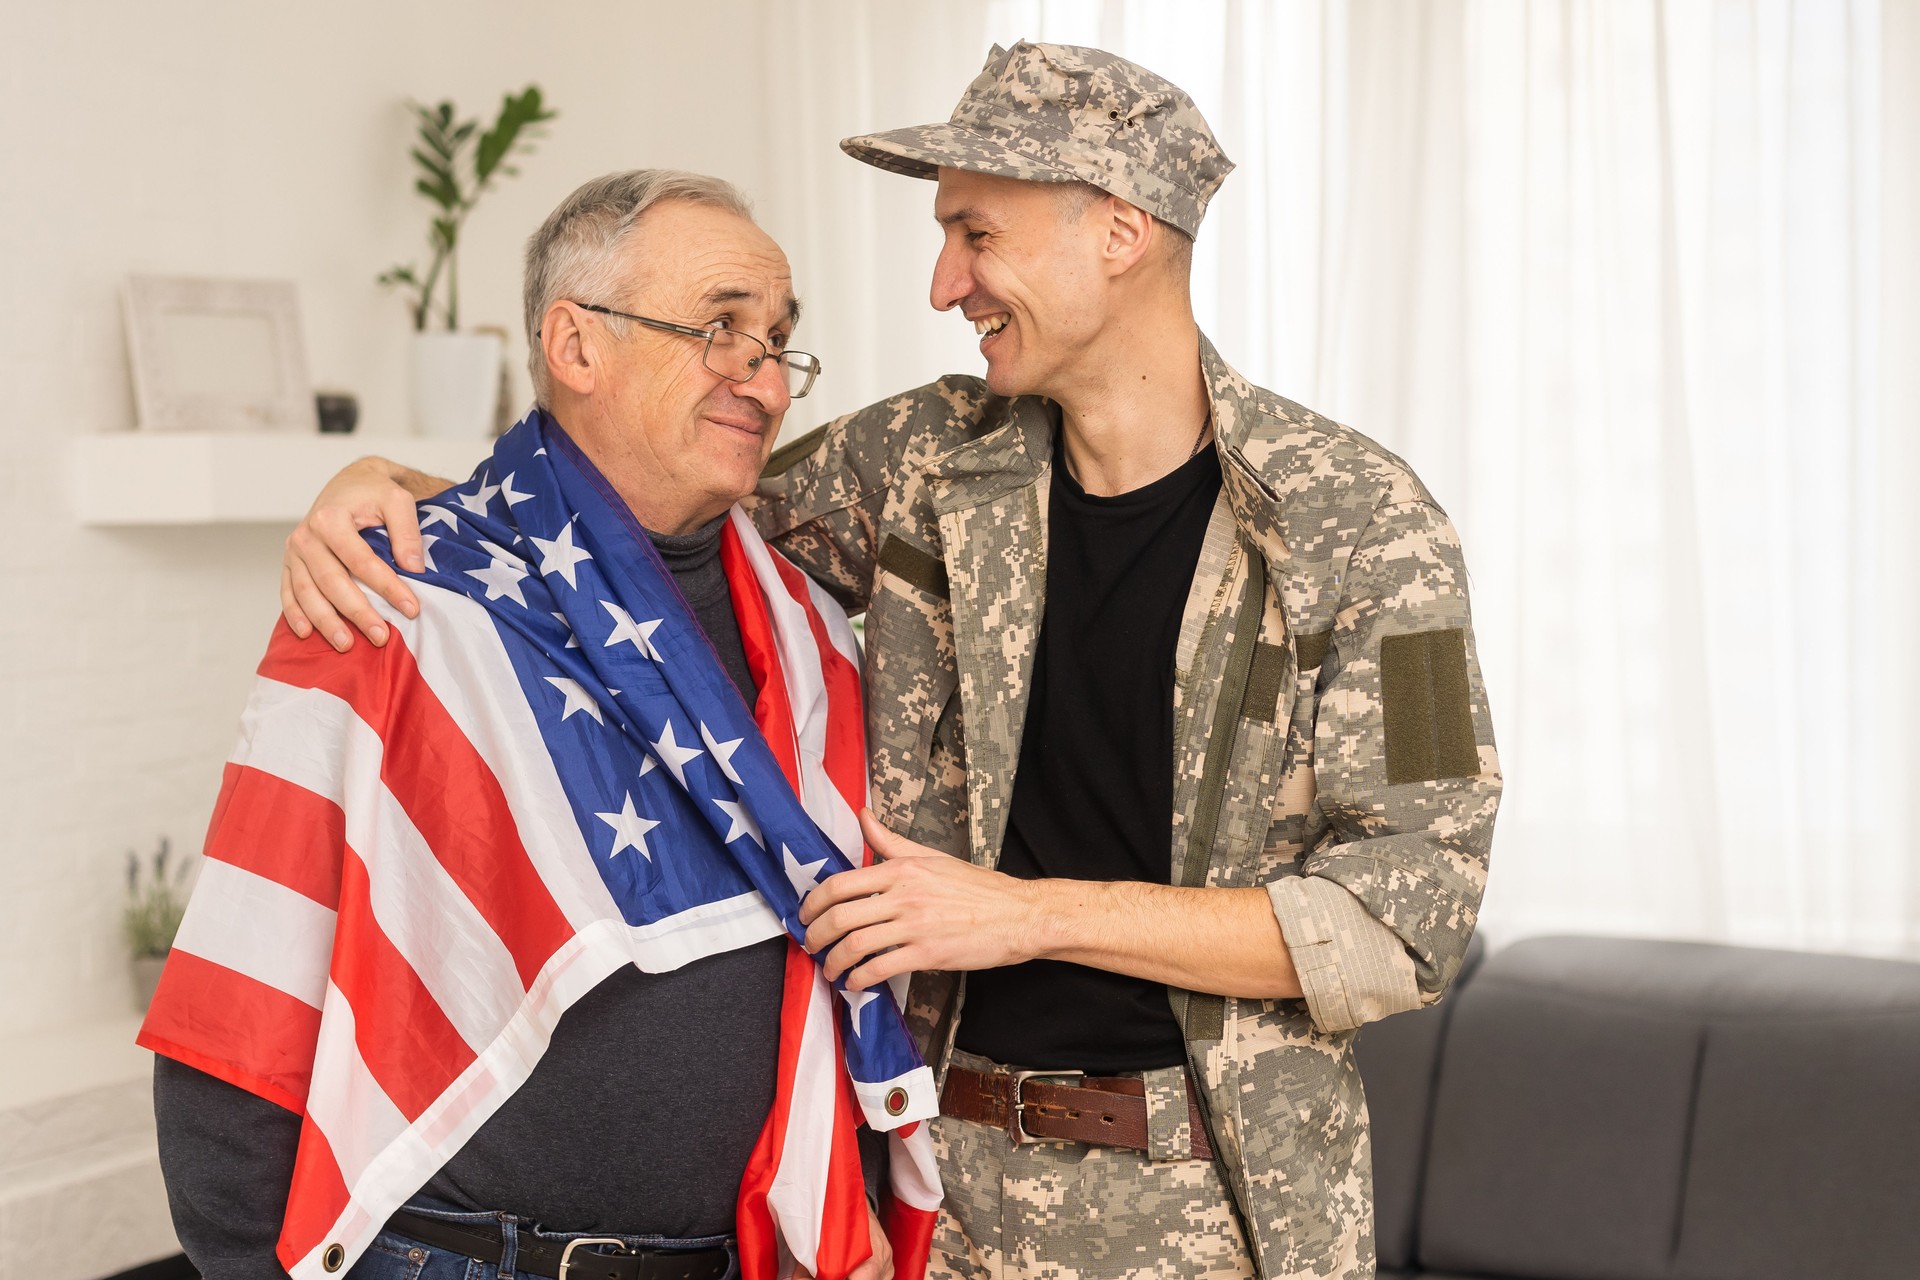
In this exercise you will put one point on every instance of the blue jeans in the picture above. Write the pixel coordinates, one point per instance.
(393, 1256)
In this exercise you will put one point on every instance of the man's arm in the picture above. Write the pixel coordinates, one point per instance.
(918, 908)
(1407, 781)
(819, 503)
(325, 552)
(227, 1157)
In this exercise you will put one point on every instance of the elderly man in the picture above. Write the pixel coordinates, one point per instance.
(414, 969)
(1182, 763)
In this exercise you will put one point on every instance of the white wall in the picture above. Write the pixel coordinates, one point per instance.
(226, 138)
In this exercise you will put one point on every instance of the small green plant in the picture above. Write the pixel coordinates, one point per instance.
(456, 169)
(155, 903)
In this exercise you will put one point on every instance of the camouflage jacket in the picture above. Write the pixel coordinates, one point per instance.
(1332, 737)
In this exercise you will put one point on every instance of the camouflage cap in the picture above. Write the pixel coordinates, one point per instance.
(1062, 113)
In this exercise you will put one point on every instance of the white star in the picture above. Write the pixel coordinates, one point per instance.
(560, 555)
(507, 493)
(743, 823)
(572, 641)
(477, 501)
(637, 634)
(803, 876)
(577, 698)
(673, 755)
(857, 1002)
(722, 753)
(629, 829)
(647, 765)
(541, 452)
(502, 576)
(426, 550)
(431, 516)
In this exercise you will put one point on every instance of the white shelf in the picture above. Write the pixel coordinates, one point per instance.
(187, 478)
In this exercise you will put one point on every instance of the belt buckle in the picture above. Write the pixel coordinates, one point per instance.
(1015, 1128)
(566, 1254)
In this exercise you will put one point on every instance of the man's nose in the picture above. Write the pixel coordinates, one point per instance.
(767, 387)
(952, 282)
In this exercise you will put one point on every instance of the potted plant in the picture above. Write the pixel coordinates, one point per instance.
(155, 903)
(456, 374)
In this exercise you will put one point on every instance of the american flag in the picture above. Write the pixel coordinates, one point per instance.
(424, 854)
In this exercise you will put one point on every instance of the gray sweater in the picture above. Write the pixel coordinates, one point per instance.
(638, 1120)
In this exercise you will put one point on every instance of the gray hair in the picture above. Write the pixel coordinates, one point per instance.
(575, 253)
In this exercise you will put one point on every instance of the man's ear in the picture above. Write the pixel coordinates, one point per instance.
(1129, 234)
(570, 353)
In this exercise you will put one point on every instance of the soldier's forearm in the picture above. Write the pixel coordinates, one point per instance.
(1222, 941)
(418, 484)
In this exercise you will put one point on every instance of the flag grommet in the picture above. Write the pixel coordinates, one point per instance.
(333, 1257)
(896, 1100)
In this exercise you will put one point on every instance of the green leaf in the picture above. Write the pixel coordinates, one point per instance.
(517, 113)
(445, 232)
(444, 194)
(432, 136)
(435, 168)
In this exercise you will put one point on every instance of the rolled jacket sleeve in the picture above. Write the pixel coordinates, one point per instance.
(1352, 968)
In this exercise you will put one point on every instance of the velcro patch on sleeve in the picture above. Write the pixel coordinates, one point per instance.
(1264, 677)
(912, 565)
(1427, 706)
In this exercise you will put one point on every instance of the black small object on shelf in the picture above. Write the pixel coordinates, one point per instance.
(339, 412)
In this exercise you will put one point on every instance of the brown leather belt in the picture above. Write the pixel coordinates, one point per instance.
(1062, 1106)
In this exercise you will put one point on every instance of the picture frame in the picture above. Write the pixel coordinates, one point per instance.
(218, 355)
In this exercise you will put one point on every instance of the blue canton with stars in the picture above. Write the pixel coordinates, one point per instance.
(679, 798)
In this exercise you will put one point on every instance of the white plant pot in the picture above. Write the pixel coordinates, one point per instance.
(456, 383)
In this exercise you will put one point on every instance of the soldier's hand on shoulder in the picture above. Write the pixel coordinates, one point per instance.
(325, 554)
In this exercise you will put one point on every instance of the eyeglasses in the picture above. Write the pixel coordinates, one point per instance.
(734, 355)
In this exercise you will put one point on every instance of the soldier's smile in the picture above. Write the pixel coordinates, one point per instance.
(990, 326)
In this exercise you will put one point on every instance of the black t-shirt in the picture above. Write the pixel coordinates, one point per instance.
(1093, 799)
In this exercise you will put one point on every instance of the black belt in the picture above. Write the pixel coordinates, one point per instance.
(577, 1259)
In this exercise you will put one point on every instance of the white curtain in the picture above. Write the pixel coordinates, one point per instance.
(1632, 285)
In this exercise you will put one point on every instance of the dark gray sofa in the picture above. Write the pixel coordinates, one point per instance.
(1613, 1109)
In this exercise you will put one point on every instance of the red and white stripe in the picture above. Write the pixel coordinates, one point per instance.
(807, 1160)
(397, 1001)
